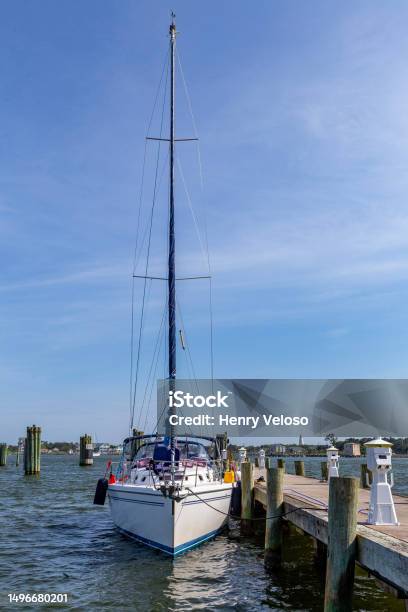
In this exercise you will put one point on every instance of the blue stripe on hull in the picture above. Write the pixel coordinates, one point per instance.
(168, 549)
(203, 501)
(135, 501)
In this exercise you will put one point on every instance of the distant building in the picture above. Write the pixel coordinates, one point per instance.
(301, 443)
(351, 449)
(278, 449)
(104, 448)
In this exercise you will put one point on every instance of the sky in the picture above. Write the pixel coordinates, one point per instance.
(301, 113)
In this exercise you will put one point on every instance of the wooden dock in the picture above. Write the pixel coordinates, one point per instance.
(382, 550)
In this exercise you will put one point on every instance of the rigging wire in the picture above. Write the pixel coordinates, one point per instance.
(147, 265)
(206, 255)
(190, 107)
(137, 254)
(188, 352)
(156, 353)
(261, 518)
(193, 214)
(165, 65)
(152, 386)
(145, 234)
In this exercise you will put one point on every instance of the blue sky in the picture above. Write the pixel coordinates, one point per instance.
(301, 109)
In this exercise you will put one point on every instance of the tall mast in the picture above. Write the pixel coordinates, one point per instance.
(172, 242)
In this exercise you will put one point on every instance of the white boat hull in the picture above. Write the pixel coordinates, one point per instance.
(144, 514)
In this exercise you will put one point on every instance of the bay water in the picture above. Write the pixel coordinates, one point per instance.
(54, 540)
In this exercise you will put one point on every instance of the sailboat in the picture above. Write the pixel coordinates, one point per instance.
(96, 450)
(168, 491)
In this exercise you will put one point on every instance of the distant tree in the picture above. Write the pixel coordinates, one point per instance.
(331, 438)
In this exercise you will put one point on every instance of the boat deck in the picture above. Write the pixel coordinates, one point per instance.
(383, 550)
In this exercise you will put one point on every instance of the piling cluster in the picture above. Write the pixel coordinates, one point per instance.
(85, 450)
(3, 454)
(32, 450)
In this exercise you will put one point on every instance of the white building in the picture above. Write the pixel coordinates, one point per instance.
(352, 449)
(278, 449)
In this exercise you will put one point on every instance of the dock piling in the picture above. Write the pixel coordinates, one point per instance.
(85, 450)
(3, 454)
(363, 476)
(274, 510)
(222, 443)
(281, 463)
(136, 444)
(247, 485)
(324, 470)
(299, 468)
(343, 501)
(320, 558)
(32, 450)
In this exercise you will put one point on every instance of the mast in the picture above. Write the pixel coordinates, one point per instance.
(172, 242)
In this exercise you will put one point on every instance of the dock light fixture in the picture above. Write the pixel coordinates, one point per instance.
(332, 462)
(242, 454)
(381, 510)
(261, 459)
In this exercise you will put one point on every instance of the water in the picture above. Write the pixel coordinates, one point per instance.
(53, 540)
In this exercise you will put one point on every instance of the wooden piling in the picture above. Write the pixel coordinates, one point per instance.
(85, 450)
(281, 463)
(222, 443)
(325, 471)
(299, 468)
(247, 485)
(136, 444)
(32, 450)
(320, 557)
(343, 501)
(230, 458)
(274, 510)
(363, 476)
(3, 454)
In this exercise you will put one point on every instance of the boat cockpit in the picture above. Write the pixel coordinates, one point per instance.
(148, 461)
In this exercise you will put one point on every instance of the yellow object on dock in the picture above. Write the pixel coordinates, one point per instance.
(229, 476)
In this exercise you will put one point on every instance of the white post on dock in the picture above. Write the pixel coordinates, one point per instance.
(242, 454)
(332, 462)
(261, 459)
(381, 510)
